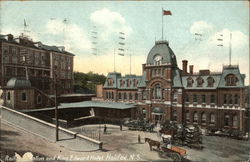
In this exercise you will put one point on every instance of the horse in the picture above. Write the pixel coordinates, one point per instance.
(152, 143)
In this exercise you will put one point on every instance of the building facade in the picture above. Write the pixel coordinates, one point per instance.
(166, 92)
(39, 63)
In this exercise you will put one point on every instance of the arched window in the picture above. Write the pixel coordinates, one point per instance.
(174, 115)
(157, 94)
(135, 82)
(200, 82)
(128, 83)
(24, 96)
(231, 80)
(8, 96)
(190, 82)
(187, 116)
(212, 118)
(235, 121)
(203, 118)
(110, 82)
(121, 83)
(226, 120)
(195, 117)
(210, 81)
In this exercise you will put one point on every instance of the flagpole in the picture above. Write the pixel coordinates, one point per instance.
(162, 23)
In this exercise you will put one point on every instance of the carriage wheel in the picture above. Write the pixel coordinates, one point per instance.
(176, 157)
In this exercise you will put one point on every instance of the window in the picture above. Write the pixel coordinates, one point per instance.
(121, 83)
(203, 98)
(175, 96)
(212, 118)
(200, 82)
(235, 121)
(8, 96)
(14, 55)
(210, 82)
(24, 97)
(225, 98)
(190, 82)
(195, 117)
(6, 55)
(119, 95)
(203, 118)
(130, 96)
(236, 99)
(135, 82)
(174, 117)
(226, 120)
(110, 82)
(112, 95)
(157, 94)
(39, 99)
(124, 96)
(187, 116)
(186, 98)
(212, 98)
(231, 80)
(136, 96)
(144, 95)
(144, 112)
(230, 99)
(195, 98)
(107, 95)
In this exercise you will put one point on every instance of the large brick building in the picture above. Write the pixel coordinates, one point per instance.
(29, 71)
(21, 57)
(166, 92)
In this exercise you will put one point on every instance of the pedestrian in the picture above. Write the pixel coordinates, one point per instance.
(139, 139)
(105, 128)
(121, 127)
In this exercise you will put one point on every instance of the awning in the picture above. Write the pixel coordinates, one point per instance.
(157, 111)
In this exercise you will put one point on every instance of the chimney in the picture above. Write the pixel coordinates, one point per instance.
(10, 37)
(191, 69)
(184, 66)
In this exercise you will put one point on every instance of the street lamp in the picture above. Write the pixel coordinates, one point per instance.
(56, 108)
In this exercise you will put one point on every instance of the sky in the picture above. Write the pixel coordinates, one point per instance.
(141, 21)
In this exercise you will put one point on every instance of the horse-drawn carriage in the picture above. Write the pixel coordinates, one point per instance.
(140, 125)
(166, 150)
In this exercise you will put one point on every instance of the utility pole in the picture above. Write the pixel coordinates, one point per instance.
(56, 107)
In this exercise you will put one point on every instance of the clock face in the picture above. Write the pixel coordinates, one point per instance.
(158, 58)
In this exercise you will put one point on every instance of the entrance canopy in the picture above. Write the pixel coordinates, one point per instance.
(157, 111)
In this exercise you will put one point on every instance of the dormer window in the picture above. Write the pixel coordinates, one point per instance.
(200, 82)
(231, 80)
(190, 82)
(128, 83)
(157, 59)
(110, 82)
(135, 82)
(210, 82)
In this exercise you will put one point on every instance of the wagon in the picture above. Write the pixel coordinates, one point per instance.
(174, 152)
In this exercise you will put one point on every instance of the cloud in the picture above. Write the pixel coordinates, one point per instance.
(74, 37)
(201, 27)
